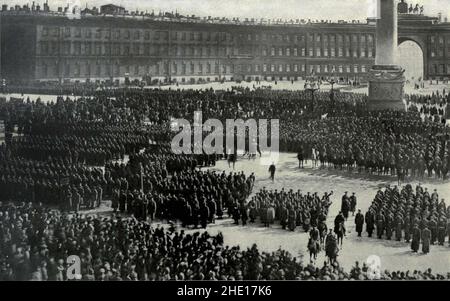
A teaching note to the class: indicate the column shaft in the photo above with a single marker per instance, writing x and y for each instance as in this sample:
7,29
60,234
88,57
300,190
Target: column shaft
387,33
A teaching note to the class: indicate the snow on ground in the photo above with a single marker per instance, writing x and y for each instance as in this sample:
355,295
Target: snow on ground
394,255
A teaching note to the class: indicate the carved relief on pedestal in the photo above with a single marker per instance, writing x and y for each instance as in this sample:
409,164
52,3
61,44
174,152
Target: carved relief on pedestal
386,75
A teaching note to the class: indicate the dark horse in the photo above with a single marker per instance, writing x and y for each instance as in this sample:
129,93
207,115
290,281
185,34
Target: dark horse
323,229
331,250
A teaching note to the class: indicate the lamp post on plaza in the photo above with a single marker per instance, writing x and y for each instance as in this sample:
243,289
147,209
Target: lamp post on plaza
312,85
332,82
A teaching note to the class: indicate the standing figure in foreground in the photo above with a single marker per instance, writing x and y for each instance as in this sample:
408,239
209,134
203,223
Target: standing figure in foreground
359,222
272,170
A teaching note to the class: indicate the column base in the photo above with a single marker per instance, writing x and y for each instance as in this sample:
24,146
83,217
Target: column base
386,88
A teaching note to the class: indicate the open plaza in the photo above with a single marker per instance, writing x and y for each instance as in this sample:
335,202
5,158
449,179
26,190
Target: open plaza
114,163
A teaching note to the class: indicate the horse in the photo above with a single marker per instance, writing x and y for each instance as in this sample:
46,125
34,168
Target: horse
313,248
340,232
331,250
322,232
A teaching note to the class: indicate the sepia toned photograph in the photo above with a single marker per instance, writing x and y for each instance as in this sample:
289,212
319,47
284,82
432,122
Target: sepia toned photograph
200,140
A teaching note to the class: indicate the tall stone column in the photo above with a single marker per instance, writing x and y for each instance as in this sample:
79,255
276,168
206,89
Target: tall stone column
387,34
386,79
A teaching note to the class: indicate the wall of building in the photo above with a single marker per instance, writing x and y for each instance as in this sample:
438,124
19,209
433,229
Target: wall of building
18,59
113,48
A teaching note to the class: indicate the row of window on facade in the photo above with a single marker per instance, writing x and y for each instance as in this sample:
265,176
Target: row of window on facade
356,68
439,52
129,34
175,68
104,69
97,48
138,34
438,40
439,69
331,51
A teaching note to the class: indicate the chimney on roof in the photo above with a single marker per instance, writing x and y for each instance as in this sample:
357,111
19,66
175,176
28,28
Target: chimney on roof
4,7
60,9
38,7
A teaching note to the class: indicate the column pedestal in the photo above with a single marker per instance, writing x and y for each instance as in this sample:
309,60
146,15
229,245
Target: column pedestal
386,88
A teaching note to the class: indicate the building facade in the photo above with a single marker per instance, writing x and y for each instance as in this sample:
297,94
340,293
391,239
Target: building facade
53,46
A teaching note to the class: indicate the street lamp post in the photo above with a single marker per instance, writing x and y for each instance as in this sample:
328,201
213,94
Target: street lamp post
312,86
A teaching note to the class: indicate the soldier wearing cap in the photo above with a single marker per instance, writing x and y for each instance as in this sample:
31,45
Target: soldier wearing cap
284,215
212,206
407,228
380,224
416,237
426,239
389,224
204,214
432,226
442,227
370,221
399,224
353,203
359,222
345,205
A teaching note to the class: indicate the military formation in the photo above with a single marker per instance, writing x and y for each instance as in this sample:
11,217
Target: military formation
291,209
432,107
411,148
411,215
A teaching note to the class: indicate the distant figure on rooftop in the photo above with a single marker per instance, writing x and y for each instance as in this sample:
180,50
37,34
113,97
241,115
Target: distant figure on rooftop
403,7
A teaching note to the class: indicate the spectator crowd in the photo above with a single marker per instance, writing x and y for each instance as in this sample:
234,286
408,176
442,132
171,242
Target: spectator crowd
36,242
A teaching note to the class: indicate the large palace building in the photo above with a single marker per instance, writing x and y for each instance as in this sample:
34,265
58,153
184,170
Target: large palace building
112,44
